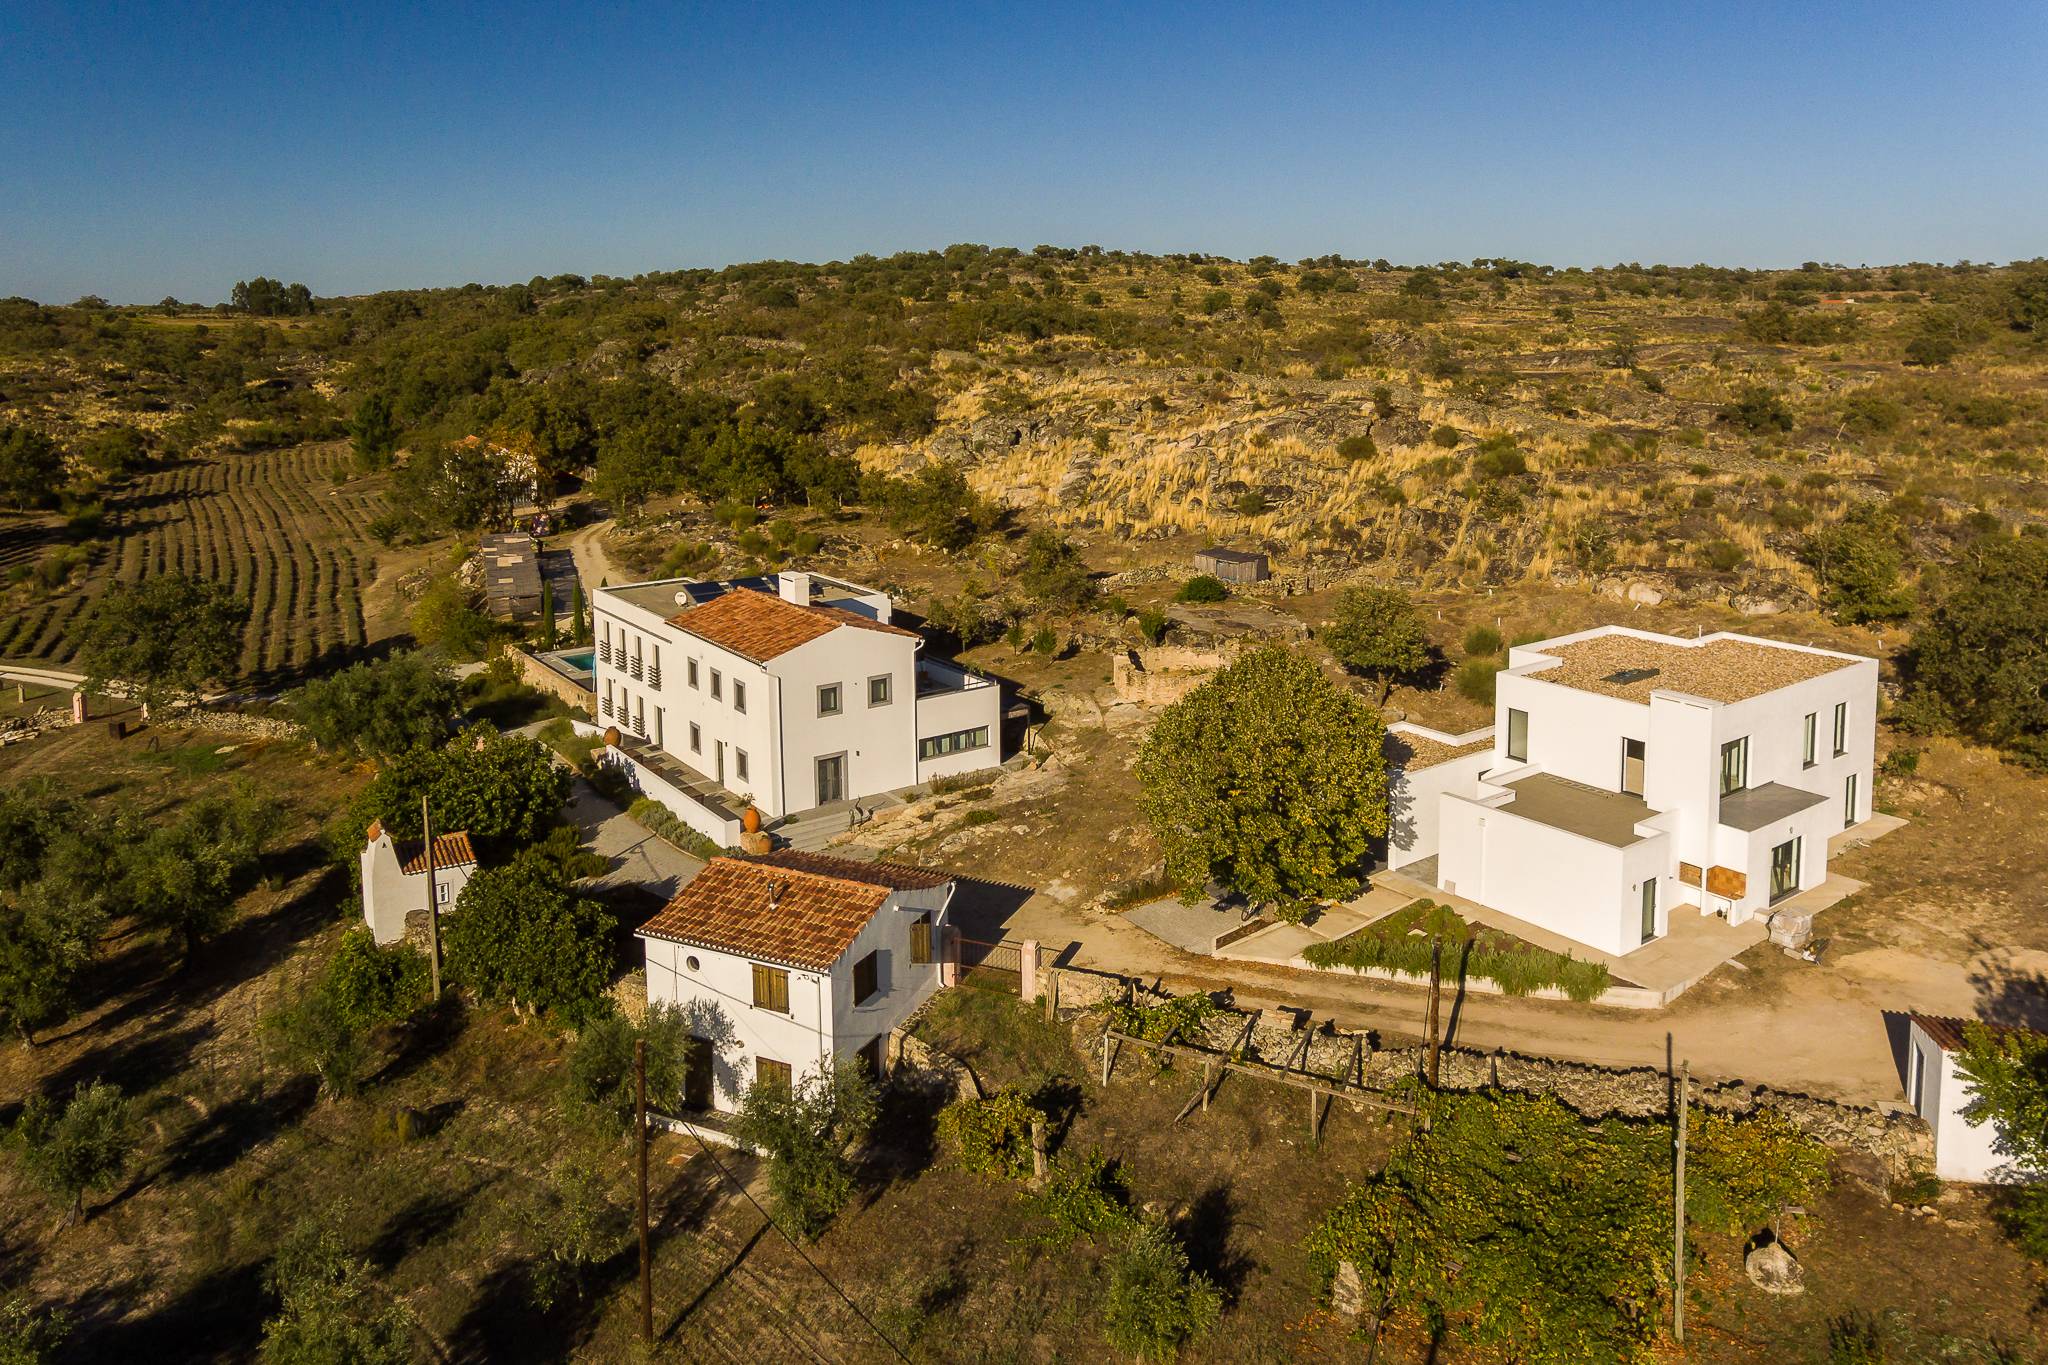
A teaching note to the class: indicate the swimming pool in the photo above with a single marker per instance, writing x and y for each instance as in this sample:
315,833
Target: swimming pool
584,659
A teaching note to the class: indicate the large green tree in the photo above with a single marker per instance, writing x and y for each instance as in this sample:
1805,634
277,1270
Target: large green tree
182,874
1378,633
520,934
504,790
1856,562
383,708
806,1129
1979,663
1267,779
83,1146
164,639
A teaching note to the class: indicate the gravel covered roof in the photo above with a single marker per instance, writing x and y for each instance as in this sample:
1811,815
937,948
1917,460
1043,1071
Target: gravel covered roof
1631,667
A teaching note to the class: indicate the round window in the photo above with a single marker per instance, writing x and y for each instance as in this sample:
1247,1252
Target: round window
691,963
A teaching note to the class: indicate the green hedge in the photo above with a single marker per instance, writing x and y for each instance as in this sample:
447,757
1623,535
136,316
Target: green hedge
1401,943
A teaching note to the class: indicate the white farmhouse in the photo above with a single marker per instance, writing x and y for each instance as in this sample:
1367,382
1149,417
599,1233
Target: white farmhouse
789,693
1938,1091
395,878
787,962
1630,776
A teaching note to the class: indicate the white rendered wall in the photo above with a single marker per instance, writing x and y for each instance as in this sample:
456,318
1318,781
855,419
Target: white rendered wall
901,985
389,895
1573,733
945,713
719,995
1962,1150
879,741
1580,888
1415,801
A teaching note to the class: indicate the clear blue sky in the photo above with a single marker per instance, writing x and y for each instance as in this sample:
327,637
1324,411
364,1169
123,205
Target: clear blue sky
153,148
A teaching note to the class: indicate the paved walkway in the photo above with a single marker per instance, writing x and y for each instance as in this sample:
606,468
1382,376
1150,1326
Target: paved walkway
638,855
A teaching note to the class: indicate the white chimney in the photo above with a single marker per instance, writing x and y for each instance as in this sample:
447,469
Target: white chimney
796,587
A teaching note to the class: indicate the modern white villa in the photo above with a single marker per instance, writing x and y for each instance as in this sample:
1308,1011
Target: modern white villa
787,962
395,878
1938,1091
787,692
1629,777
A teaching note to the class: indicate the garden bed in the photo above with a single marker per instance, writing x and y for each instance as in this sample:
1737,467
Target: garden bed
1401,942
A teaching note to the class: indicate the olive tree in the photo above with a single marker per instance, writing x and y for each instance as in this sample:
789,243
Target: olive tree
1379,634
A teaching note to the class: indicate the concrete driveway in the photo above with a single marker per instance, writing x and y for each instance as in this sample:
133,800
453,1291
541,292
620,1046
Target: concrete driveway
639,857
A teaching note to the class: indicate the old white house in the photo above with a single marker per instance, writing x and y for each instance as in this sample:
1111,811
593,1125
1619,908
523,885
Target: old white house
395,878
1629,777
788,962
789,692
1938,1091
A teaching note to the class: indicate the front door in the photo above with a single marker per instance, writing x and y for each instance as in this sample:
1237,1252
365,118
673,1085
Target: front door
1649,909
831,779
1784,869
697,1075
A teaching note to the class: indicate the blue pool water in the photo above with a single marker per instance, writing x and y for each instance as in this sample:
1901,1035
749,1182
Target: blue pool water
585,659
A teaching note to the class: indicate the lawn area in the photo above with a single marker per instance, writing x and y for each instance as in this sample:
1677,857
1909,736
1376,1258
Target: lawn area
1402,942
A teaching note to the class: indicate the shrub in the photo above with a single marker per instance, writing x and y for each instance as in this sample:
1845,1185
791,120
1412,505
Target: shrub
1202,588
1758,409
600,1071
1445,436
1082,1196
314,1034
805,1131
1856,1338
31,1334
371,985
1469,951
1152,625
1250,503
991,1136
1474,680
329,1306
1499,457
1751,1168
1358,447
1045,640
1155,1303
1163,1022
1482,641
83,1147
1723,556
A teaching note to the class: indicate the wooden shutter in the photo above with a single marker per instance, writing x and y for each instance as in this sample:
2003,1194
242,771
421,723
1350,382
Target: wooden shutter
921,941
771,1073
771,989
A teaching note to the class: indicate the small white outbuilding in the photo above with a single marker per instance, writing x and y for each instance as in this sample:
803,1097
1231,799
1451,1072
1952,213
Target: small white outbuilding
394,878
1938,1091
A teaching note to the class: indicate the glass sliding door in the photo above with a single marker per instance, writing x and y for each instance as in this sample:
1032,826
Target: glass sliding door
1649,910
1784,869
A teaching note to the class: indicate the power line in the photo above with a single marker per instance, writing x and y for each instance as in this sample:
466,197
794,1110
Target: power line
817,1269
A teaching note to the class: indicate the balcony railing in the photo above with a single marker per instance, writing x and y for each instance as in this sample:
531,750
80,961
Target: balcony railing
635,670
654,676
604,651
605,706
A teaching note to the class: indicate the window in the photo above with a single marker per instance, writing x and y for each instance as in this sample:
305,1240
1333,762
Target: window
771,1073
1649,910
1633,753
607,696
771,989
828,699
739,764
441,892
938,746
717,685
692,963
1841,728
921,941
696,739
878,690
691,670
1919,1079
739,695
866,979
1518,735
1734,765
1809,752
1849,802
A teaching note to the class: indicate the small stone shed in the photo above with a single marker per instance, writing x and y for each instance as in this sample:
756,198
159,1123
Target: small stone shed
1233,566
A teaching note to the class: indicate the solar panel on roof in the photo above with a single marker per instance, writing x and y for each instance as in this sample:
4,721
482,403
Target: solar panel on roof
1631,675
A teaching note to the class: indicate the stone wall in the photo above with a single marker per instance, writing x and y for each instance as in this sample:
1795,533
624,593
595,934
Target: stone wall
1899,1141
1163,674
537,675
231,723
20,729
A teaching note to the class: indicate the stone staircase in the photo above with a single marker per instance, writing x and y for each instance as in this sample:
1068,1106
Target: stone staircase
809,831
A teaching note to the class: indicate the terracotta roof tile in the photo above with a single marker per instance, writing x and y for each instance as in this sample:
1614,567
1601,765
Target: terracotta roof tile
895,876
760,626
812,921
450,850
1947,1030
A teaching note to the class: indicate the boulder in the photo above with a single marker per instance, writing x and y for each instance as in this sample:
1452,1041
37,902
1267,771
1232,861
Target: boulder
1347,1290
1751,605
1644,595
1772,1268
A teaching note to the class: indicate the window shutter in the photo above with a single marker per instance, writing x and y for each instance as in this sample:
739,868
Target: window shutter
921,941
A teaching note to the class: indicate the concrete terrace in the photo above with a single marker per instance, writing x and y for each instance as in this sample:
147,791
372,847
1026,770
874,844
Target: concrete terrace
1609,817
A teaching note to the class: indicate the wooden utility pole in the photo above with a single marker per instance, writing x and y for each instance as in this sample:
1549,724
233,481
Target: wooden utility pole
646,1264
433,901
1678,1214
1436,991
